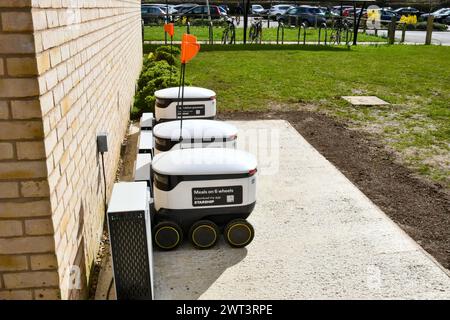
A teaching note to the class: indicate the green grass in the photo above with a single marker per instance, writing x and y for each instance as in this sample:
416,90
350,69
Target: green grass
414,79
156,33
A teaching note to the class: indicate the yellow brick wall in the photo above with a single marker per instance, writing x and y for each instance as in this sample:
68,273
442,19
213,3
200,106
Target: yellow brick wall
68,70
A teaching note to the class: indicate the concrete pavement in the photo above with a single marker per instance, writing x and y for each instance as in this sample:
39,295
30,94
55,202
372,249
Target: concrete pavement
317,237
418,37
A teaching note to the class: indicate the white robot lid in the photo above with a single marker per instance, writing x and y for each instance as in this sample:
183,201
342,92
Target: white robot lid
128,196
189,93
195,129
204,161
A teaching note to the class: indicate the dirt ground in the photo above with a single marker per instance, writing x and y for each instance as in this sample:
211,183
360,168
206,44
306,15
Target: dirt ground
419,207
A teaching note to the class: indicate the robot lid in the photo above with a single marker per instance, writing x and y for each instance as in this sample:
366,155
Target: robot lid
190,93
204,161
195,129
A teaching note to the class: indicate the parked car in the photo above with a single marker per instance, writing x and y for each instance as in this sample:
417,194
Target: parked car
181,8
386,15
152,14
171,8
408,11
446,21
303,14
257,9
279,9
202,12
337,9
225,7
439,15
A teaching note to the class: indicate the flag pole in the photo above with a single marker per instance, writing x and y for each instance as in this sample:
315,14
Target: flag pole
183,72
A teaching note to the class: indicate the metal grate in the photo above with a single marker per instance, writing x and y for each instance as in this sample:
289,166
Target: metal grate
130,255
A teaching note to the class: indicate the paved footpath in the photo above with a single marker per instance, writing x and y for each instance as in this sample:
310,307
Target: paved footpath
317,237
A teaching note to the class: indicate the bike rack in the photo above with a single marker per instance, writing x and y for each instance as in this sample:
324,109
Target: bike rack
323,26
347,30
280,25
211,34
303,25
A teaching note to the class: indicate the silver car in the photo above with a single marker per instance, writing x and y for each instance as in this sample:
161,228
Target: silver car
278,10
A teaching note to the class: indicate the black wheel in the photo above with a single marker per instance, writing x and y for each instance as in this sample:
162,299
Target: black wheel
239,233
204,234
167,235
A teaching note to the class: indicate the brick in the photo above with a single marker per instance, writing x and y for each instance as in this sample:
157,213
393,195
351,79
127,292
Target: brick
31,279
16,43
16,295
17,21
21,130
43,62
6,151
43,262
26,109
4,110
39,20
39,208
22,170
47,294
55,56
39,227
30,150
21,66
19,245
34,188
2,68
9,190
18,88
13,263
10,228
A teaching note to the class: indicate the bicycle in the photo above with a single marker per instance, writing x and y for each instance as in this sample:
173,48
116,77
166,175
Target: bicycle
255,34
229,34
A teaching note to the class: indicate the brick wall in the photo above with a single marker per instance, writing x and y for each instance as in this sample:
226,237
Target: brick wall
67,72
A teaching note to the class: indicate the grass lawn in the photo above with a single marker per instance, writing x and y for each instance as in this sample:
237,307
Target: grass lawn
414,79
155,33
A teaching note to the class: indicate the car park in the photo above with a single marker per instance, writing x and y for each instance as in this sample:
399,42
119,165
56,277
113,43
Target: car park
439,15
308,15
181,8
153,14
408,11
202,12
386,15
446,20
257,9
278,10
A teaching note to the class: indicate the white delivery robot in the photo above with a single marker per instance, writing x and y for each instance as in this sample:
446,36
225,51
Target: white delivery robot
196,134
198,103
200,193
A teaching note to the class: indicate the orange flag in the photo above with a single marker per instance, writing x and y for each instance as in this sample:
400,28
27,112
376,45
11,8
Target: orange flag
189,48
169,28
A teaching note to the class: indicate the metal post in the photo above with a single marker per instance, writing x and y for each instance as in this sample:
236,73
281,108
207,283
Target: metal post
429,29
167,21
391,30
355,35
246,10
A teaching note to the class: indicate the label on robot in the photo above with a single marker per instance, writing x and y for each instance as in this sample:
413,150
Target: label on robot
191,110
216,196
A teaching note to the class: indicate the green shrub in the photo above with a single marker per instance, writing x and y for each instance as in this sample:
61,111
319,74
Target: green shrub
423,26
160,70
175,50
